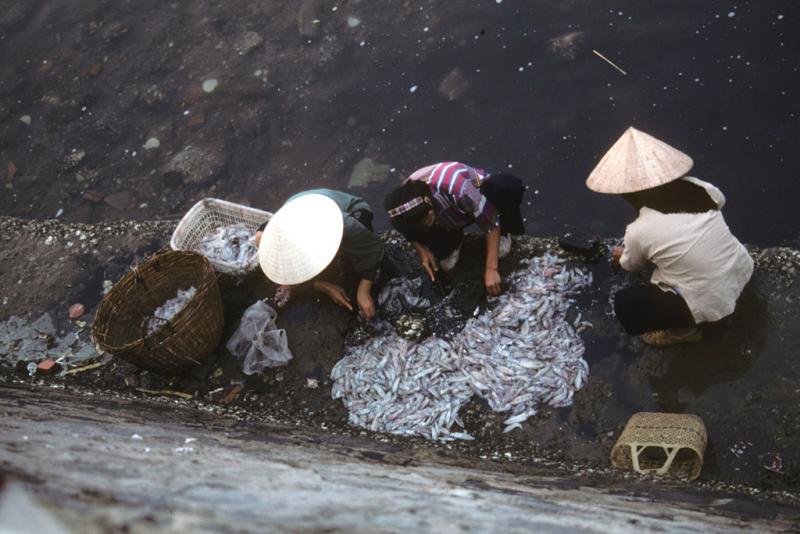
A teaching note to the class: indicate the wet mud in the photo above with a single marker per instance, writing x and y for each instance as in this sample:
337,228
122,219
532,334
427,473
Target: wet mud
105,109
741,379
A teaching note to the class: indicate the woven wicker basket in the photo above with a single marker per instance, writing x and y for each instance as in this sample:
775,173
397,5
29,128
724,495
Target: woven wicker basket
184,342
208,215
662,444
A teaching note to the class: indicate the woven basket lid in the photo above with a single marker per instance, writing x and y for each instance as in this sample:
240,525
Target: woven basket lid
301,239
637,161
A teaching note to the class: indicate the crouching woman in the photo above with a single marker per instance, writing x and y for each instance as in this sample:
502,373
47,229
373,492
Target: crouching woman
700,268
433,206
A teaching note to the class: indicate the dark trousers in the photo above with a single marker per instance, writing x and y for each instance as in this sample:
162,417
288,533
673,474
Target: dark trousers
504,192
645,308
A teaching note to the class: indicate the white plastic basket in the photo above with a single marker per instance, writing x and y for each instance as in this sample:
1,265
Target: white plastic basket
209,214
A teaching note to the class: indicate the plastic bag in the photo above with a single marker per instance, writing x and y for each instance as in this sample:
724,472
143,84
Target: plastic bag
258,343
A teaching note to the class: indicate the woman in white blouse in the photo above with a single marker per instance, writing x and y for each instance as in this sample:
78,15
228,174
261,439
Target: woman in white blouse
700,268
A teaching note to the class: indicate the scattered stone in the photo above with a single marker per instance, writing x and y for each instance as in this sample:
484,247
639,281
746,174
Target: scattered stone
209,85
197,163
308,18
95,69
568,45
93,196
454,85
192,95
367,171
107,285
152,143
232,394
312,383
47,367
73,159
153,95
49,240
247,42
76,310
121,201
25,119
196,119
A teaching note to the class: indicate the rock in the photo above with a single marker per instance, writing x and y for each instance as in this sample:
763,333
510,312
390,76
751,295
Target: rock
567,46
367,171
196,119
209,85
454,85
121,201
232,394
73,159
308,18
93,196
25,119
152,143
197,163
247,42
192,95
76,310
154,95
47,367
353,22
95,69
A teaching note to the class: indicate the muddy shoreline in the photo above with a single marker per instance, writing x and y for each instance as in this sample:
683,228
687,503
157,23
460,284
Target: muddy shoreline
741,379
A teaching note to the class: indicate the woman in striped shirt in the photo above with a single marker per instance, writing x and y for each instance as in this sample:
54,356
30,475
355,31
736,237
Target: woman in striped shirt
434,205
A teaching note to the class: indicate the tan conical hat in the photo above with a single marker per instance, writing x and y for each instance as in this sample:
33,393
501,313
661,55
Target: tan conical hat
637,161
301,239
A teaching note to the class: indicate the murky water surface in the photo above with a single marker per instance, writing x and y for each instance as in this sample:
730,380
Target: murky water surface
138,109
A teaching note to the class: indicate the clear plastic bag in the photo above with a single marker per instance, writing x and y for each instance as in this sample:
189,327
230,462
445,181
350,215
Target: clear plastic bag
258,343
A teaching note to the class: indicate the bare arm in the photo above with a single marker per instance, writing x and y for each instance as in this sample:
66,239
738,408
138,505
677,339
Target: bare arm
491,277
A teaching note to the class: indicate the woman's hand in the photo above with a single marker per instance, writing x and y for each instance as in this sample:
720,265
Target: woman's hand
427,260
616,254
364,300
491,279
335,292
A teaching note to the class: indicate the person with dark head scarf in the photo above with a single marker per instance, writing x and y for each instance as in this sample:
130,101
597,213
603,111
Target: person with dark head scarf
700,268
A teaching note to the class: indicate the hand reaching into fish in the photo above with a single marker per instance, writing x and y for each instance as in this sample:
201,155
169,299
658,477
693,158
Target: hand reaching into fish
616,254
335,292
427,260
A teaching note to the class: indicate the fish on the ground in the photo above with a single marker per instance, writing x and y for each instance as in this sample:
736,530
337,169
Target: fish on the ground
517,355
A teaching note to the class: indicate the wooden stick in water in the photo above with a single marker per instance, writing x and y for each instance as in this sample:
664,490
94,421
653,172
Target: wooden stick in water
604,58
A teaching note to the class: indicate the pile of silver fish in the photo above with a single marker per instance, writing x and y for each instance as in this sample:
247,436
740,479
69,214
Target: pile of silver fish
169,309
234,245
520,353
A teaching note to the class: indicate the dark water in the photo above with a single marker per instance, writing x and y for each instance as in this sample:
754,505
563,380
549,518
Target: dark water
715,79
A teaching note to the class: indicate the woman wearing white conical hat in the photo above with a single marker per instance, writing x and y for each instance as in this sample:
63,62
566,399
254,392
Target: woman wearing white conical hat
700,268
317,238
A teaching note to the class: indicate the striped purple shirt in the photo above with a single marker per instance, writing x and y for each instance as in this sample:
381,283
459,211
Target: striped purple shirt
455,188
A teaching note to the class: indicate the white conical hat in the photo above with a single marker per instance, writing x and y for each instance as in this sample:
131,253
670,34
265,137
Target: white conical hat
301,239
637,161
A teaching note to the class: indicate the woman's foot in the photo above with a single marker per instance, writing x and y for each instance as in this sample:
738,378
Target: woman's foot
672,336
282,296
